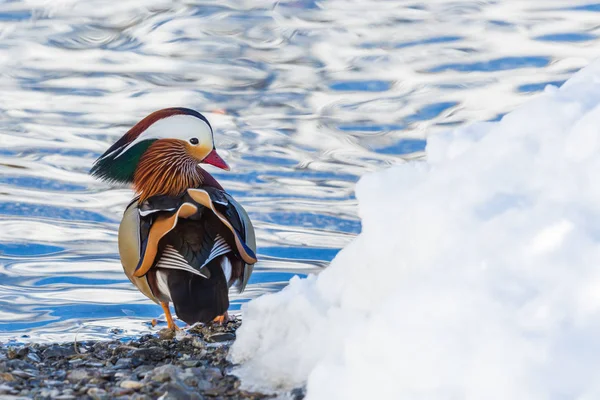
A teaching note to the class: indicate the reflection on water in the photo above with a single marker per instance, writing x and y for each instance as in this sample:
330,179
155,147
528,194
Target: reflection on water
305,96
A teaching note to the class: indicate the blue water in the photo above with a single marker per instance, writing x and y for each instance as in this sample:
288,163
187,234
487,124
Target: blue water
305,97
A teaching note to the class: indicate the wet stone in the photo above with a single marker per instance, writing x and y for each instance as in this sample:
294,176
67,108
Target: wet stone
7,377
205,386
197,343
135,385
174,391
123,363
150,354
298,393
22,352
118,392
6,389
76,363
220,337
65,397
96,393
33,357
142,370
166,334
18,364
52,393
78,375
121,375
163,365
212,373
60,374
164,373
138,396
22,374
93,364
191,363
58,351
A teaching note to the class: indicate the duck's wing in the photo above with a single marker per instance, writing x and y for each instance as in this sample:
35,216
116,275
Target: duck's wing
130,238
194,243
246,229
160,222
233,216
187,233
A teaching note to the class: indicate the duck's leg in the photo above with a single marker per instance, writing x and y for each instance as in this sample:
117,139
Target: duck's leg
170,322
221,319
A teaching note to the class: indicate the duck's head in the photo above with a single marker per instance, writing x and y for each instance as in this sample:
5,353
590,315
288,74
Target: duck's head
161,153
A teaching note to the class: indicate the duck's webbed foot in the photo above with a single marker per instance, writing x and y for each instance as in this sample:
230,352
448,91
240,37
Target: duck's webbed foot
221,319
170,323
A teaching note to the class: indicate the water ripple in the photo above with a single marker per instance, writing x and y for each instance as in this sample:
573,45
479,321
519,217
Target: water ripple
305,97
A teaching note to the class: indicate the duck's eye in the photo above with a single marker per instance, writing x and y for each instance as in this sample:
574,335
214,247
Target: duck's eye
194,140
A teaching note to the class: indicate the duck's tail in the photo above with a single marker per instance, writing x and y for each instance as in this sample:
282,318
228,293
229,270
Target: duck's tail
198,299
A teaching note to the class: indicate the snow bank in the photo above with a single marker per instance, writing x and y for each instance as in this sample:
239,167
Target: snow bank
476,275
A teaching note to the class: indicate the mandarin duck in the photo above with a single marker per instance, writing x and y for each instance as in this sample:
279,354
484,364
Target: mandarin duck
183,239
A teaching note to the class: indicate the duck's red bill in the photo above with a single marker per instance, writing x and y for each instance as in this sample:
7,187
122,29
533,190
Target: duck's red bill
215,160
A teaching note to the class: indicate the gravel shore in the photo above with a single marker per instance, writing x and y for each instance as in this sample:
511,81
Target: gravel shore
191,365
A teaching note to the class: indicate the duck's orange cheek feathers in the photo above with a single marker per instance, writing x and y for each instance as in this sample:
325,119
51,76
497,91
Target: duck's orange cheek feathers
198,151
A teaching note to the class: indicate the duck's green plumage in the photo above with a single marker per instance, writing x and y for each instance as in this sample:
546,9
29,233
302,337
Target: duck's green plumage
114,166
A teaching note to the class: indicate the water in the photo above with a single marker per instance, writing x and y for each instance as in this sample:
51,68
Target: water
305,96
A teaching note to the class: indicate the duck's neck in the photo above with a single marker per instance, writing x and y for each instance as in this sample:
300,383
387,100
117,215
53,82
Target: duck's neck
169,173
207,179
172,183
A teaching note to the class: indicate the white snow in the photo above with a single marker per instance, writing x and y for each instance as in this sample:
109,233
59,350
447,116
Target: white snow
476,275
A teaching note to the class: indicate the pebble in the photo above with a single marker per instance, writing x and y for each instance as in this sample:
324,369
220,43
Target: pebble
94,364
22,374
135,385
190,363
52,393
76,363
197,343
22,352
7,377
142,371
298,393
5,389
173,391
64,397
78,375
121,392
18,364
123,363
138,396
166,334
152,366
58,351
34,357
164,373
97,393
150,353
220,337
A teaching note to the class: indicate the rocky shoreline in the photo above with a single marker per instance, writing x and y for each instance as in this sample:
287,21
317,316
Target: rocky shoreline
190,365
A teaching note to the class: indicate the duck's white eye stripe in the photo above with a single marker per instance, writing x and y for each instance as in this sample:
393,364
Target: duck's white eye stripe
180,126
